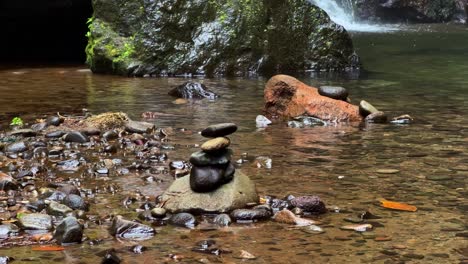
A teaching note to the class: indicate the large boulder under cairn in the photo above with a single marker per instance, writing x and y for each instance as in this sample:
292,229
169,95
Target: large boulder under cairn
233,195
287,97
166,37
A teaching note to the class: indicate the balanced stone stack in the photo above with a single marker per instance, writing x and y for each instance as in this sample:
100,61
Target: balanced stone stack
212,165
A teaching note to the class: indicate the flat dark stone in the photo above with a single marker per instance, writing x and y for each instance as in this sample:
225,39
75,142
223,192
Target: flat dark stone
219,130
24,132
55,134
76,137
16,147
250,214
334,92
201,158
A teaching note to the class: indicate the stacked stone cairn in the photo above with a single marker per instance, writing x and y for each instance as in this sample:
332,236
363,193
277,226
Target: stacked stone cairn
212,165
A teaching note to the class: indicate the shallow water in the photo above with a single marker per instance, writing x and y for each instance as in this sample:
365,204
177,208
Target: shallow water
421,72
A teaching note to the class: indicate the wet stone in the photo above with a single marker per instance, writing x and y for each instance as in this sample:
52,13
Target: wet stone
69,231
366,108
69,189
75,202
183,220
206,179
219,130
311,204
16,147
6,259
110,135
58,209
130,230
158,212
76,137
216,144
54,121
68,165
7,182
55,134
222,220
377,117
35,222
201,158
250,214
139,127
7,230
334,92
39,127
110,149
111,258
24,132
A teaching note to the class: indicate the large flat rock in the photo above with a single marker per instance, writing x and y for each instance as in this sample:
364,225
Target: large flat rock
233,195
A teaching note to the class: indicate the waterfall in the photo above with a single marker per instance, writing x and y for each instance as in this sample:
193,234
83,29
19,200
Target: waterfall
343,13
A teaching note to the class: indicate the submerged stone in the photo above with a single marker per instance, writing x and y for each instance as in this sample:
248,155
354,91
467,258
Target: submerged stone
311,204
250,214
222,220
130,230
183,220
377,117
193,90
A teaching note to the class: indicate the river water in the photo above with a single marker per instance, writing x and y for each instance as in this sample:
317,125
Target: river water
421,71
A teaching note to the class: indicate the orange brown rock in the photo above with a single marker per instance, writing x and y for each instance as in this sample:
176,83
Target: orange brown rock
285,96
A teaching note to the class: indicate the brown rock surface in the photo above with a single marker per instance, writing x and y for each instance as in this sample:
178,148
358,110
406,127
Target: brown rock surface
285,96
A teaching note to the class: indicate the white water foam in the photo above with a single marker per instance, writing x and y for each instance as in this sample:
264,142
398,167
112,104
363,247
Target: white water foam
344,15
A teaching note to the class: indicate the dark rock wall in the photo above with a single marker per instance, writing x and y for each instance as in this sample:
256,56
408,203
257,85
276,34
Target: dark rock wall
158,37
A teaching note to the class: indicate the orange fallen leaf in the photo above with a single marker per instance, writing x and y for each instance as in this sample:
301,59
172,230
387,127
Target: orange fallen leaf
48,248
42,237
398,206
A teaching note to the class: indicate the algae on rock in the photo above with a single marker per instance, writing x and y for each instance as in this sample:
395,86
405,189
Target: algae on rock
226,37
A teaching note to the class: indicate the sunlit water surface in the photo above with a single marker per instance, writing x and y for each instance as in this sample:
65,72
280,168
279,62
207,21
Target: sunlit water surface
422,72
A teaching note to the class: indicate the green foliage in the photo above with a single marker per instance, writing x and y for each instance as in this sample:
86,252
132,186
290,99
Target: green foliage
17,121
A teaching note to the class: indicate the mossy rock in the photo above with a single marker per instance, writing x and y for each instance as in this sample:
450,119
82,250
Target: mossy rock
233,38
